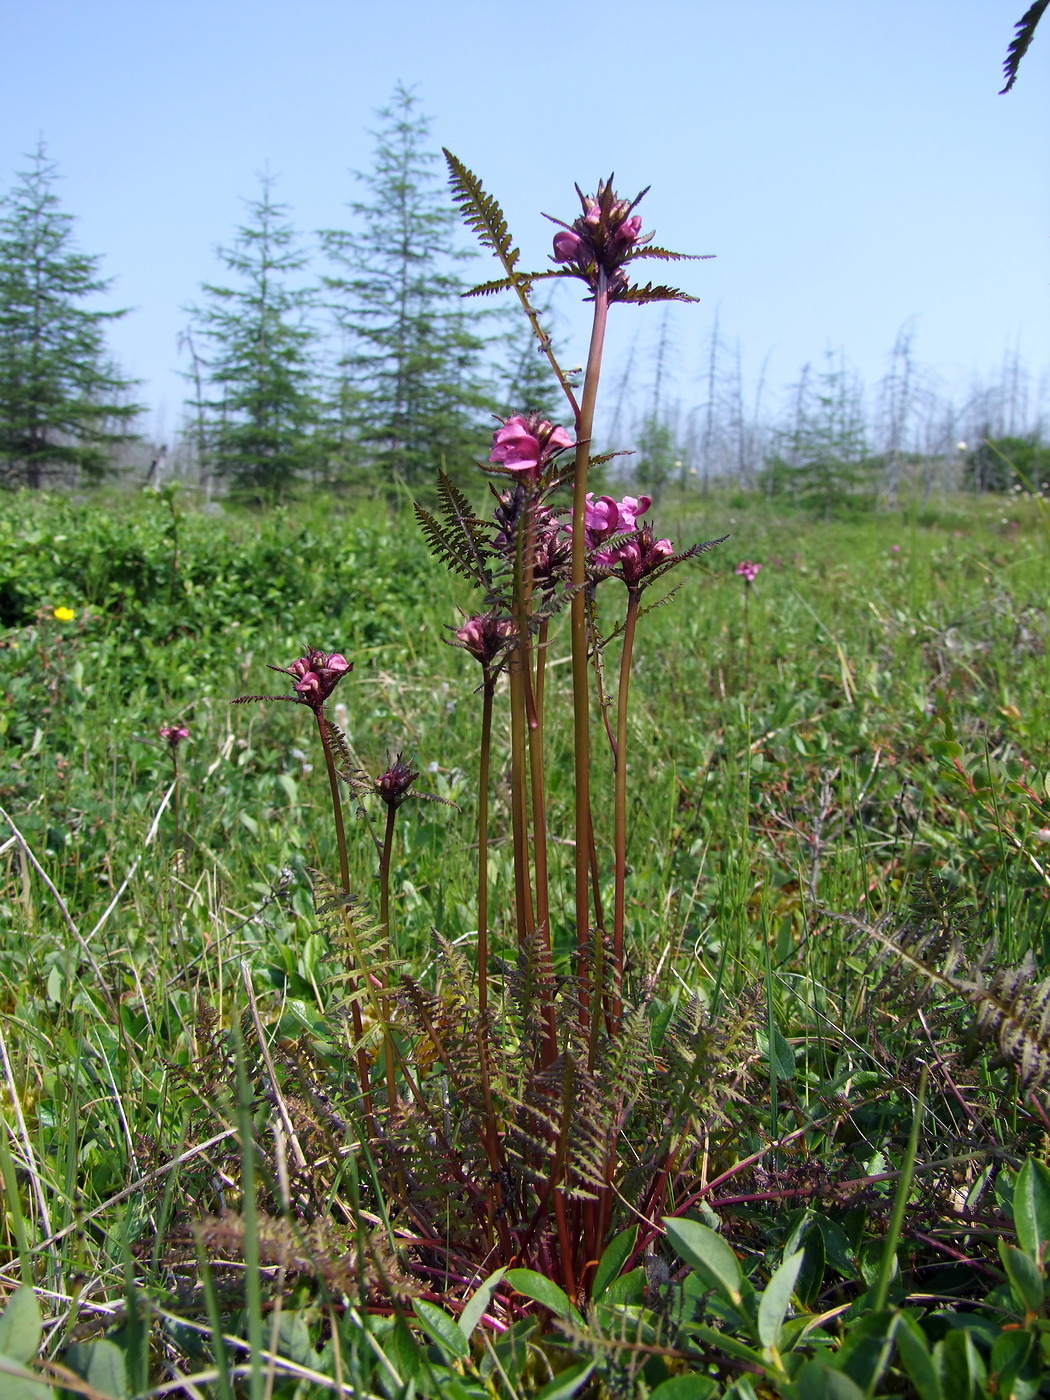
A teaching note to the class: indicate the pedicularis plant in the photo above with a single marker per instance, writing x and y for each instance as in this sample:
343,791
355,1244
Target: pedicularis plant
505,1106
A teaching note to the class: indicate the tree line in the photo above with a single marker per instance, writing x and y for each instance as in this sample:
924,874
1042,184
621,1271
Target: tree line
379,372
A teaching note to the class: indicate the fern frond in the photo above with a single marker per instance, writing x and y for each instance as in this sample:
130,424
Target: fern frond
647,250
639,294
249,699
340,744
1014,1009
1024,34
460,516
481,212
498,284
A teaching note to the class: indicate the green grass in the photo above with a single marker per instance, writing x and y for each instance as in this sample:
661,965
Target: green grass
774,787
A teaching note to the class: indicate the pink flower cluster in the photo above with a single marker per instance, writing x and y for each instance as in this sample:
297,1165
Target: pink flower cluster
605,519
316,675
748,571
604,237
485,636
174,734
393,785
526,444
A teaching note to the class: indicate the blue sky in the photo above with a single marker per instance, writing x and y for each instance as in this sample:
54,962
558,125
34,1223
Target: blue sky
849,162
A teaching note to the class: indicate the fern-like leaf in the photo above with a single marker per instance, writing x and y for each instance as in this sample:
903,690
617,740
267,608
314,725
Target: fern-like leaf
639,294
481,212
1024,33
647,250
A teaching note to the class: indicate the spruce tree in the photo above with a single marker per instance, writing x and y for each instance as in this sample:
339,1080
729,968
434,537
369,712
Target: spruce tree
63,404
257,355
410,393
822,458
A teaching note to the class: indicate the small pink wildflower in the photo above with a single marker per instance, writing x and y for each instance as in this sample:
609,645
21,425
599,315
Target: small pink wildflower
641,556
484,636
174,734
604,518
748,571
527,444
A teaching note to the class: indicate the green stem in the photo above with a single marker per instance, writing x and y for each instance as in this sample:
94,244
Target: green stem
516,668
620,804
537,787
483,843
384,919
900,1201
384,877
337,806
580,686
344,880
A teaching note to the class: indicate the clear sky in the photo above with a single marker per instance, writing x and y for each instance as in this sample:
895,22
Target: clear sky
849,161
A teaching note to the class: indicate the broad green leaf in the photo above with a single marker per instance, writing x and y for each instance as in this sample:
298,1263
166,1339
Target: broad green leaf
102,1365
617,1253
1010,1353
817,1381
724,1342
709,1255
440,1328
566,1383
1032,1208
1026,1280
810,1280
405,1352
959,1367
911,1343
512,1349
778,1052
478,1302
294,1340
776,1299
688,1387
20,1326
625,1288
544,1291
18,1384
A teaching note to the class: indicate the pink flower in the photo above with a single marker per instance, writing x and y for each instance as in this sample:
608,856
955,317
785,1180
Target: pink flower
598,243
485,636
567,246
895,549
604,518
748,571
316,675
638,558
627,234
174,734
527,444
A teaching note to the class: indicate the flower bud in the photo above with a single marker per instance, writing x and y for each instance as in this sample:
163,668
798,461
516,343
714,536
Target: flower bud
485,636
393,785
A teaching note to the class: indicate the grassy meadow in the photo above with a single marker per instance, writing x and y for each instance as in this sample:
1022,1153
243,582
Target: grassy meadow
861,744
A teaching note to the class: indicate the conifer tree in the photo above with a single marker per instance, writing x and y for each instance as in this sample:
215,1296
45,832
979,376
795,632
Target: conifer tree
410,387
63,404
257,353
823,457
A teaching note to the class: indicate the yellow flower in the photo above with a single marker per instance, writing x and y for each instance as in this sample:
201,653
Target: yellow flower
64,614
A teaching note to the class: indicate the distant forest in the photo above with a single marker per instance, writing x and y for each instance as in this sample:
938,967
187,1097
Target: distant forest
355,362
